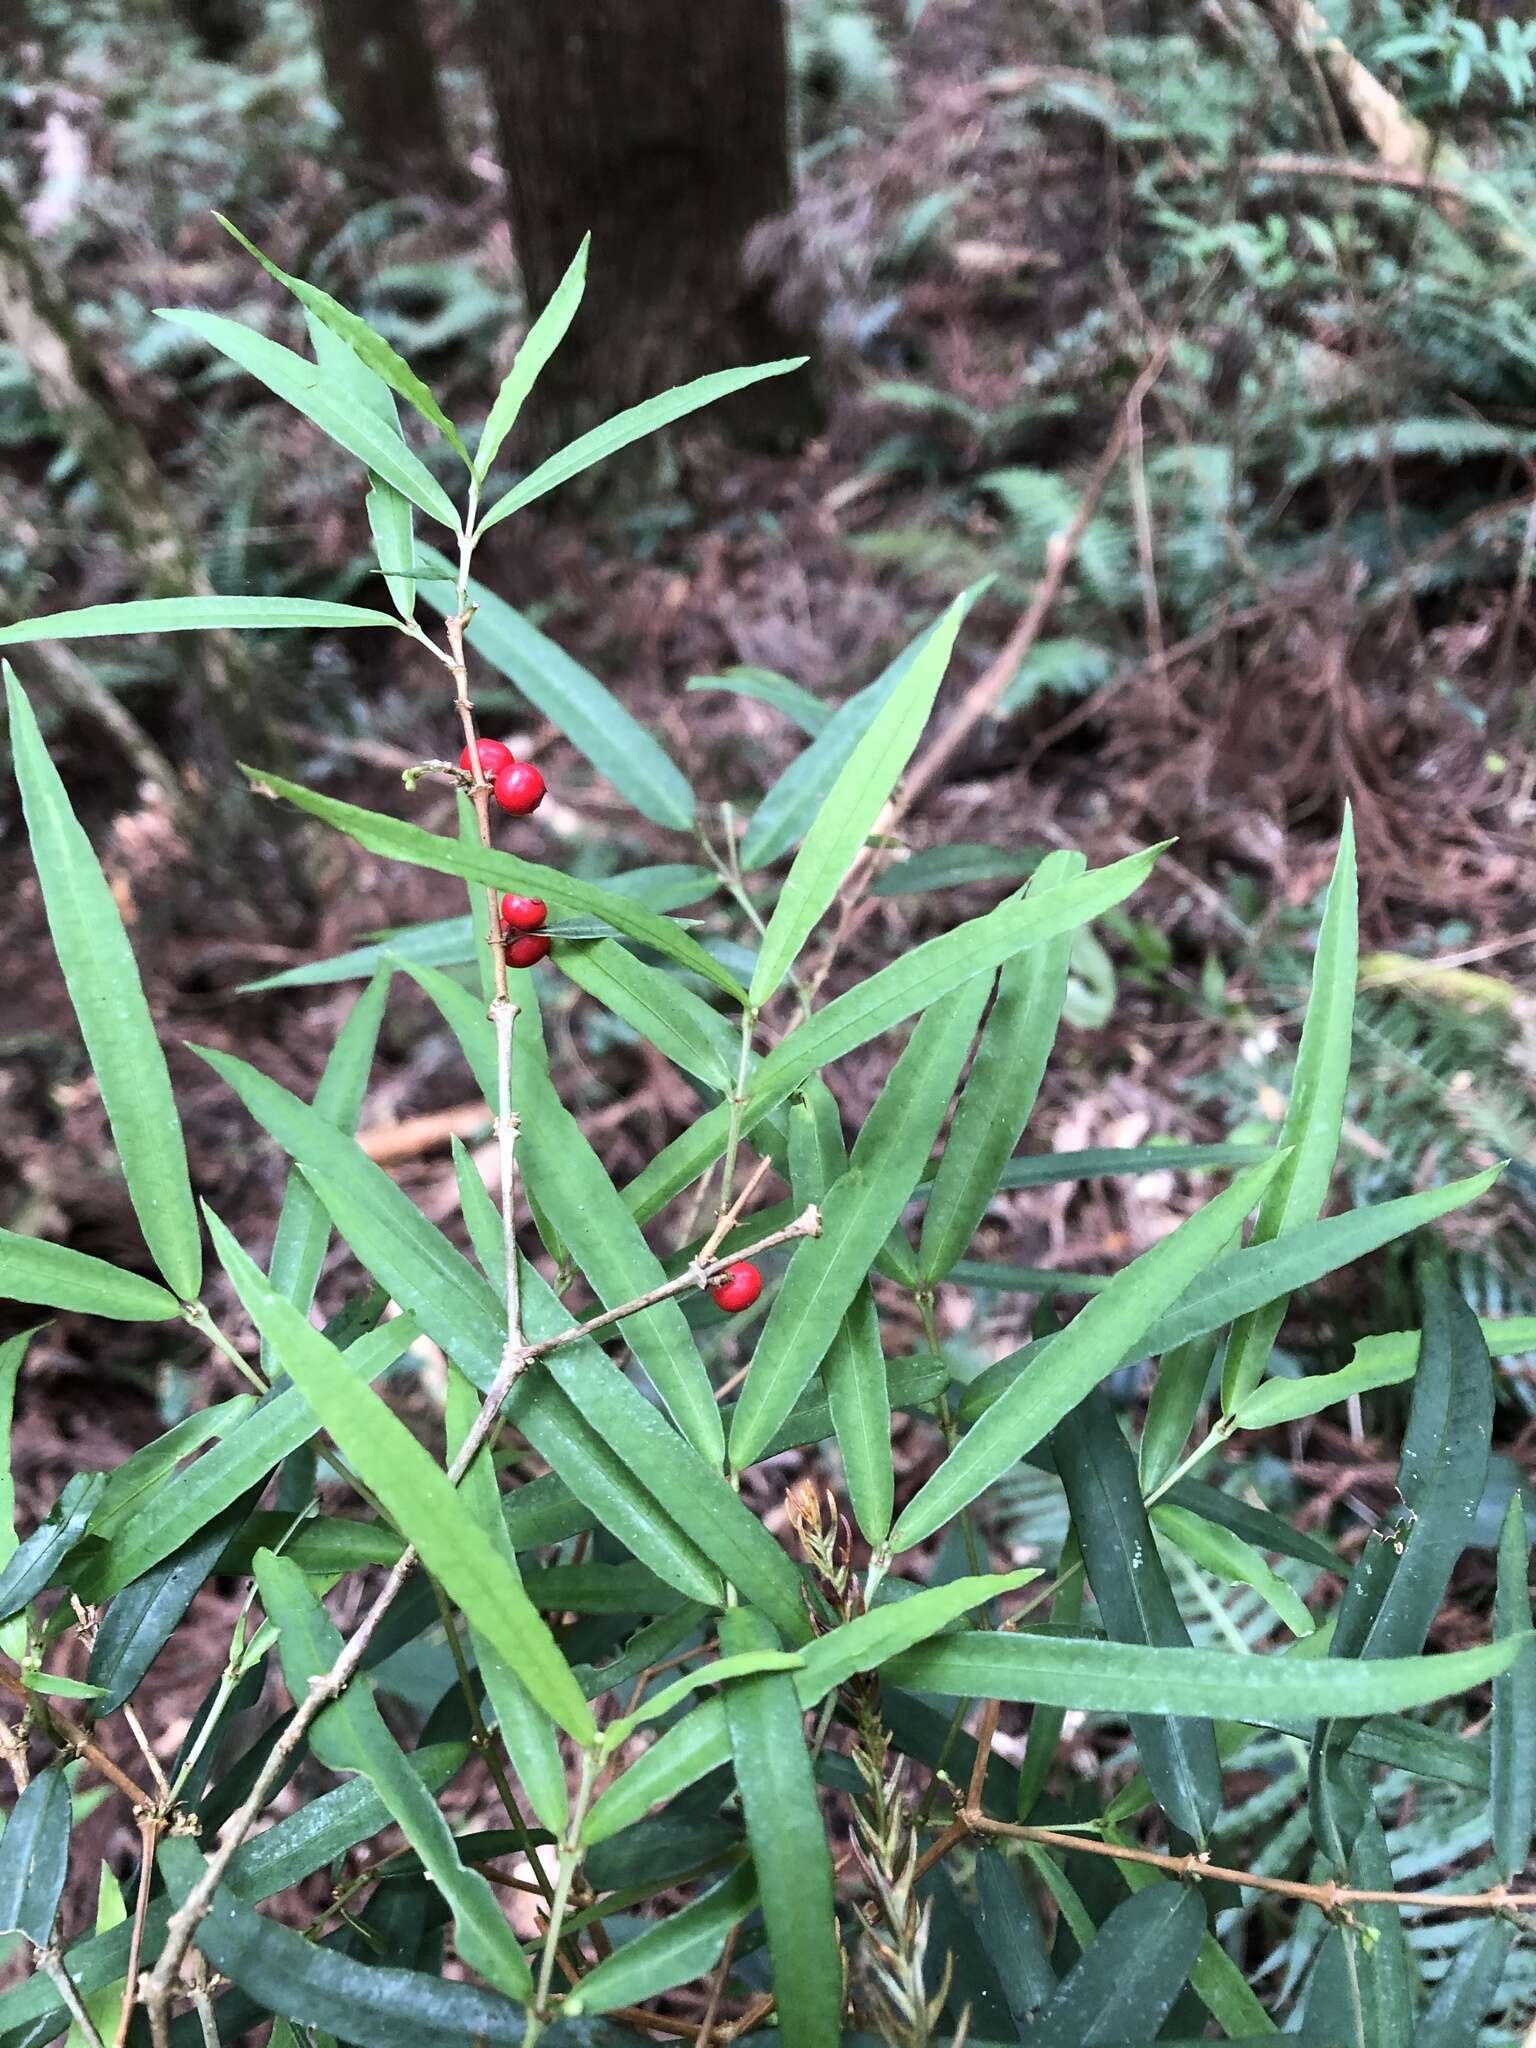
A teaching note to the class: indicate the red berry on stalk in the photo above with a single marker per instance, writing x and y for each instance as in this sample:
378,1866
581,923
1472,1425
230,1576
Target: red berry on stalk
738,1287
519,788
523,913
527,951
494,756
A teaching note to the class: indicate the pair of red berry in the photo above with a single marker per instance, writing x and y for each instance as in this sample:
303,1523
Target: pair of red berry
517,786
521,917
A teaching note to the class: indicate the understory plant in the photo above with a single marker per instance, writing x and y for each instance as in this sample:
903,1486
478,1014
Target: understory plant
569,1720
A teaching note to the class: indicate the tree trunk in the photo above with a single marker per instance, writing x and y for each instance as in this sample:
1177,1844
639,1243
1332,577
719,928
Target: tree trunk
381,75
663,128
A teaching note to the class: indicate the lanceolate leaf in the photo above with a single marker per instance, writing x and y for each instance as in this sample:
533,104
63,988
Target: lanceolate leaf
328,402
659,1007
629,426
34,1856
350,1735
396,840
1067,1365
1121,1678
1125,1984
34,1563
1315,1114
570,697
303,1228
859,1407
1233,1559
1242,1280
1001,1088
32,1269
371,349
853,805
789,1842
675,1950
538,345
1512,1799
914,982
1098,1470
103,981
138,1623
826,1272
788,810
193,615
415,1492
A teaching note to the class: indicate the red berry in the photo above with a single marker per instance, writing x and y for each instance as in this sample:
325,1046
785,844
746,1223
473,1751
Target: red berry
523,913
527,951
738,1287
519,788
494,756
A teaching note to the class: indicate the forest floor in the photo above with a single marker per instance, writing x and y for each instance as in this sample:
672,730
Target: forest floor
1243,744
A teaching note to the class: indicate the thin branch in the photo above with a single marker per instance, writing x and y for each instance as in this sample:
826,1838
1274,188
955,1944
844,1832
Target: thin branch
51,1963
149,1835
1330,1898
68,1734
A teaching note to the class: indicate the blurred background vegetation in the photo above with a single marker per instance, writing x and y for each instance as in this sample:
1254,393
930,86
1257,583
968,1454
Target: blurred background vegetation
1307,579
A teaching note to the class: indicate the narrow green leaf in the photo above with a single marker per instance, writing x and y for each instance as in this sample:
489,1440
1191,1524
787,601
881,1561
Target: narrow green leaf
571,1185
34,1562
914,982
445,942
1049,1169
790,808
1314,1117
297,1979
1124,1985
371,349
395,840
826,1272
525,1728
625,427
1000,1092
303,1228
154,1523
1469,1989
1258,1526
659,1007
350,1735
853,806
192,615
859,1407
139,1621
660,1704
327,402
763,686
103,982
1136,1602
570,697
415,1492
1230,1558
787,1837
1124,1678
394,542
1010,1931
13,1354
1183,1374
34,1857
538,345
675,1950
1513,1788
1067,1365
1506,1337
1243,1280
1278,1400
1381,1951
911,1384
52,1275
